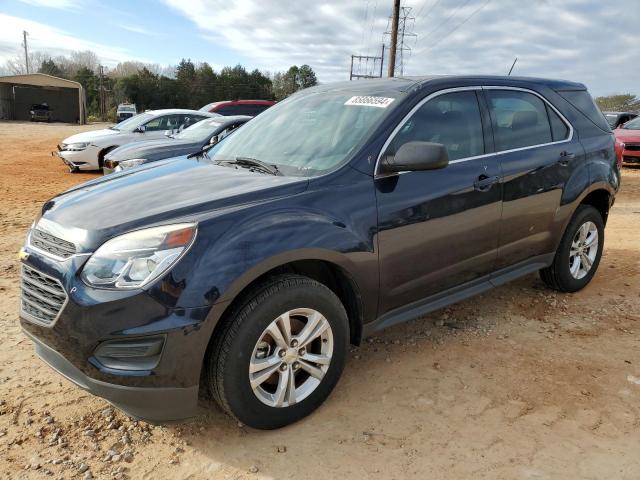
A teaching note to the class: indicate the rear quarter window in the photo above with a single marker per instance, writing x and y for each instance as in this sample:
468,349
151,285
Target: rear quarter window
583,102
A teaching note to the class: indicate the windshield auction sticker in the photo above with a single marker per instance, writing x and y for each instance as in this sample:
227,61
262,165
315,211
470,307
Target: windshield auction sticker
380,102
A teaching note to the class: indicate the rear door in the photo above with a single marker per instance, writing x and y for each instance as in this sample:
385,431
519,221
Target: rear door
439,228
537,152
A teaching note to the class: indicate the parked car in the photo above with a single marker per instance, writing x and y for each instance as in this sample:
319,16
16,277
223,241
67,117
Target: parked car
615,119
628,142
86,150
40,112
190,140
342,210
125,110
238,107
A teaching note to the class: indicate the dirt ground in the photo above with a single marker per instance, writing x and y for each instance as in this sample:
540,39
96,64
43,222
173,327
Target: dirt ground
518,383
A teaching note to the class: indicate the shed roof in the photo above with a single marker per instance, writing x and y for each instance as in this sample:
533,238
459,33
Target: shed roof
40,79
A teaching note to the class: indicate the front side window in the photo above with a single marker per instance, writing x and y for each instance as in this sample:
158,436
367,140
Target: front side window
519,119
309,133
165,122
452,119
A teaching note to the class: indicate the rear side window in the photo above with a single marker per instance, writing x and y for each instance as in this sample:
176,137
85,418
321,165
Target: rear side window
585,104
519,119
559,129
452,119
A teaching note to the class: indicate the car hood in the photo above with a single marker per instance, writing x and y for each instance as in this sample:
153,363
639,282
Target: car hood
627,135
161,192
91,136
161,148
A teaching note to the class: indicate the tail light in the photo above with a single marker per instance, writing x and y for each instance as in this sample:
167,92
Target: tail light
619,148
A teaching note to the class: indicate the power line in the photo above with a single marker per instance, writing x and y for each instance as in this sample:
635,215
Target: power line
458,26
433,5
460,5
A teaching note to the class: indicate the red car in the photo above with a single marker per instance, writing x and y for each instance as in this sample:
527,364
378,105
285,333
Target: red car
238,107
628,142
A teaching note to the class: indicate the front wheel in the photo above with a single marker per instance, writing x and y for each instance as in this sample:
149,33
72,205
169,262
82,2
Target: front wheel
280,353
578,255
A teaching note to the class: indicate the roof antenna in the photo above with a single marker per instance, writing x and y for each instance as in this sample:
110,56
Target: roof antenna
513,65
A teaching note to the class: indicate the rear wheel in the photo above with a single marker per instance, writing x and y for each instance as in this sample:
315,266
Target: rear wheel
578,255
280,353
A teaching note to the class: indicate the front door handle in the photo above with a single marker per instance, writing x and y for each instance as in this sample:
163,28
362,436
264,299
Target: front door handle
565,158
484,183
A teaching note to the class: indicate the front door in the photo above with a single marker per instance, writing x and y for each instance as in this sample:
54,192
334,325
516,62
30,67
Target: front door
439,228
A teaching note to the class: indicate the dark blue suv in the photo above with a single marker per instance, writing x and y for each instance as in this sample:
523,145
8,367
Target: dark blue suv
248,269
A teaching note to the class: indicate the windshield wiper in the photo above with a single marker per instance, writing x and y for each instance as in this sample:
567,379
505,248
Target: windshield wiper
254,163
202,151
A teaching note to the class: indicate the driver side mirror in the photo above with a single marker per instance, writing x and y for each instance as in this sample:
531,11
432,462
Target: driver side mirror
140,129
416,156
168,133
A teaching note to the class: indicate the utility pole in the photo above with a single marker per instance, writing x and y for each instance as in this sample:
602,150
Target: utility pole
26,50
394,37
103,103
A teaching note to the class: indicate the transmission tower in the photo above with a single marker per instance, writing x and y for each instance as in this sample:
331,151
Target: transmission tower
406,23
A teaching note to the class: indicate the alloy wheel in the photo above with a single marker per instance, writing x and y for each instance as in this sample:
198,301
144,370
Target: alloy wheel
584,249
291,357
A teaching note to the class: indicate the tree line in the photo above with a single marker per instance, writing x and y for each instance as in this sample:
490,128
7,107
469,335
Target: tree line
150,86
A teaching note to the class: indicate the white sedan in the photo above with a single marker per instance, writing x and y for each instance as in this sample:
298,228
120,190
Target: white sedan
86,151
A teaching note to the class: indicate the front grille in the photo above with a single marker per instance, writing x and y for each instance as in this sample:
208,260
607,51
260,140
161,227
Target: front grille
51,244
628,159
42,296
632,147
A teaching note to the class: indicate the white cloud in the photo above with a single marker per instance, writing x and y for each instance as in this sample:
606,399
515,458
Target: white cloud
43,38
583,40
137,29
60,4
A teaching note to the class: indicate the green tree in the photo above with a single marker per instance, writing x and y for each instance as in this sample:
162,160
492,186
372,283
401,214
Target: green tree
621,102
306,77
49,67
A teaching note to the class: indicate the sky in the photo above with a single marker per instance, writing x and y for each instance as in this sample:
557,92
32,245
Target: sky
590,41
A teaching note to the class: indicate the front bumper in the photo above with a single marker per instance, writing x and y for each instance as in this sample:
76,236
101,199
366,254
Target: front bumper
156,404
631,157
90,318
86,159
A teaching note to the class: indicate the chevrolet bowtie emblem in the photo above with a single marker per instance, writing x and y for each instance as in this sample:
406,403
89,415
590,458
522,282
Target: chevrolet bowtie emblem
23,254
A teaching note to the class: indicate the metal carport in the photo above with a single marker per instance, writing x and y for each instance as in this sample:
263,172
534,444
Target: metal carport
66,98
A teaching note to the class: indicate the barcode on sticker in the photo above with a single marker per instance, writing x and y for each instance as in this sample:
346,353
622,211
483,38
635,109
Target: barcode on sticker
381,102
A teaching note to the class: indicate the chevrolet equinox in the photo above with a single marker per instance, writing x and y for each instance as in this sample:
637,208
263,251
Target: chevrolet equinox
248,269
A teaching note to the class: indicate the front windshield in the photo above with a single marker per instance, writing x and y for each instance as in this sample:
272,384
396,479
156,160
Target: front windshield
126,109
131,123
612,118
306,134
199,132
633,124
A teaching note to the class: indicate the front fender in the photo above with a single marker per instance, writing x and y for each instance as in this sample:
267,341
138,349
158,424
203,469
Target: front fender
336,226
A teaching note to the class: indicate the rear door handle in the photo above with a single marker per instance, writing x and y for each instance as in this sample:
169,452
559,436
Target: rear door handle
565,158
484,183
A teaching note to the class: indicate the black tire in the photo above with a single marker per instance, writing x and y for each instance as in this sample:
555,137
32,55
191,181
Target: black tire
229,354
558,276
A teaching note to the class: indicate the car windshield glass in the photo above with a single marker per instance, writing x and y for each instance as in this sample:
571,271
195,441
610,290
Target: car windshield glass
207,107
306,134
632,124
198,132
611,118
132,123
127,109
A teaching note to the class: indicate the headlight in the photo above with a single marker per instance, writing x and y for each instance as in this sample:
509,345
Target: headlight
76,147
134,162
135,259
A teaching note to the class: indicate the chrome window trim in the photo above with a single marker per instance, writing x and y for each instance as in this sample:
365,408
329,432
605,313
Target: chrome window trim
26,315
485,155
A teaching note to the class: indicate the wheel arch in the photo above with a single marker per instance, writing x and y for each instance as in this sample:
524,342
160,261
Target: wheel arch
330,272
